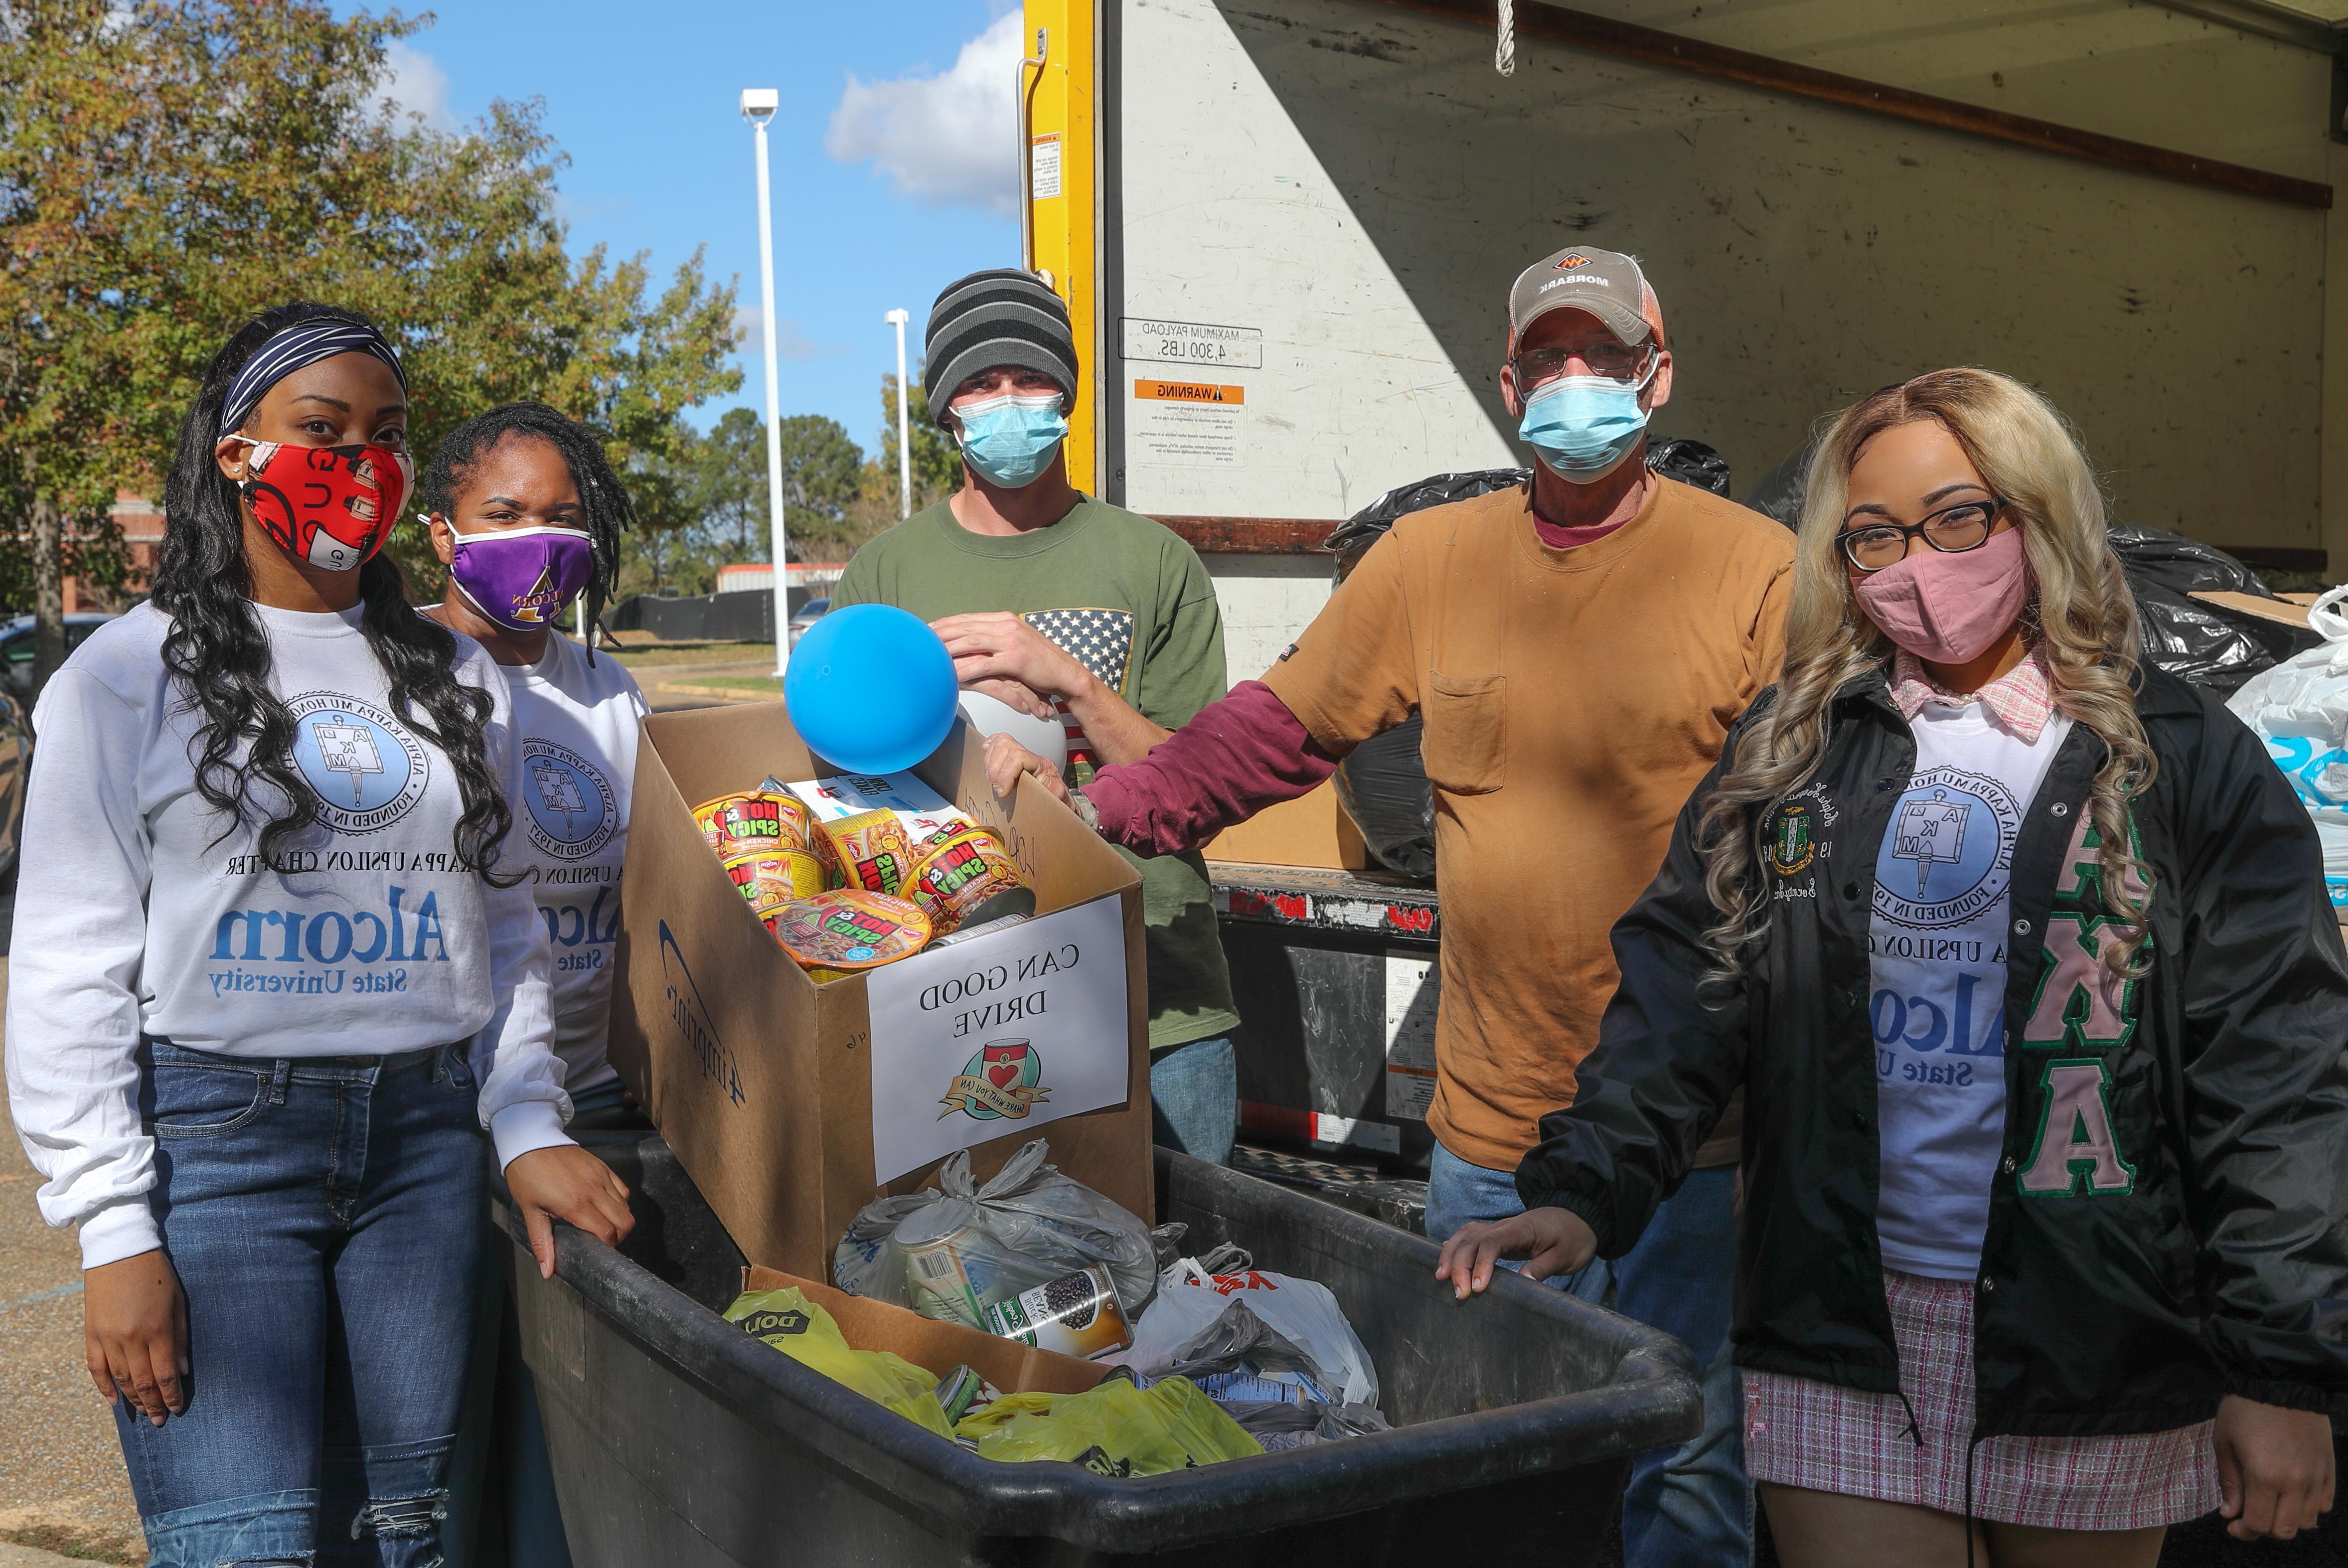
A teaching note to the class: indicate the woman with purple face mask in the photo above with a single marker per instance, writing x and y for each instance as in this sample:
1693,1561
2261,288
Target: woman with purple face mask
2021,953
526,513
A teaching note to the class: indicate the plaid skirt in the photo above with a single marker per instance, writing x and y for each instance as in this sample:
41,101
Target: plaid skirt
1824,1437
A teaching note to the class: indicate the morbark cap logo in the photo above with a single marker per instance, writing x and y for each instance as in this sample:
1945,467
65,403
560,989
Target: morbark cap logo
1572,260
1003,1079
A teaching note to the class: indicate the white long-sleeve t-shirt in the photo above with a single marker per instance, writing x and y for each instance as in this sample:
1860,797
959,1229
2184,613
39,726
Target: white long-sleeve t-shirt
142,909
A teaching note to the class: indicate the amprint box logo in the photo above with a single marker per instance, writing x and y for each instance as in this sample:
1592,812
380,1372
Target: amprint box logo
690,1018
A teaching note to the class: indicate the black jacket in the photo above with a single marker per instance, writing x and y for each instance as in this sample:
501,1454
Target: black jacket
2210,1257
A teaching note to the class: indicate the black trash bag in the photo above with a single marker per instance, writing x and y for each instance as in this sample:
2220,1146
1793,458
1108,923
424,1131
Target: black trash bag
1350,540
1690,462
2198,642
1783,489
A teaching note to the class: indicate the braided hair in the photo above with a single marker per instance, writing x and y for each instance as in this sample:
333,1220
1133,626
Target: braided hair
219,652
601,495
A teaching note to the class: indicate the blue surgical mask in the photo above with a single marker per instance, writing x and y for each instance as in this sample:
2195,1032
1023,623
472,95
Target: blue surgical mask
1583,425
1011,438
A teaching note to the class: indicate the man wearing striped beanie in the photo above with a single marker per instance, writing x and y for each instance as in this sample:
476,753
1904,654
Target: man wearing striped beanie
1069,607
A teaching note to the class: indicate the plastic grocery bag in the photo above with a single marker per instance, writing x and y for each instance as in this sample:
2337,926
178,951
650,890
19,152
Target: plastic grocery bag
2300,709
1116,1429
1190,1300
805,1333
970,1246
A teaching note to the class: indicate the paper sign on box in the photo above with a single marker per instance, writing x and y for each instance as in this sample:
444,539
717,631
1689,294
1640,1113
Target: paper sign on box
999,1034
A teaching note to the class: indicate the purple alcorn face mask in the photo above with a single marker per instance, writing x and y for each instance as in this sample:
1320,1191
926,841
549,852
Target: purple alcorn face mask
522,578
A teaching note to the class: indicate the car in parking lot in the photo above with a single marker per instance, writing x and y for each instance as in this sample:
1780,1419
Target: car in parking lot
16,649
807,615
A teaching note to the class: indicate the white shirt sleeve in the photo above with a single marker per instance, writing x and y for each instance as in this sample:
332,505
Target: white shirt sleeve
73,1020
522,1103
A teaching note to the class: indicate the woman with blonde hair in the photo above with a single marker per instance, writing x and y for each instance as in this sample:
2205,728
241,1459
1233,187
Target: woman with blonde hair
2021,953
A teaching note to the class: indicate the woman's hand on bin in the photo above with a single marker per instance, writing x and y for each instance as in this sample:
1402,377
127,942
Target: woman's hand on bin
2274,1468
1552,1240
1007,759
134,1325
566,1183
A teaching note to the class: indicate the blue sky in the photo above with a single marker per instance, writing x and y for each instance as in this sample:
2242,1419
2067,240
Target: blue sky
892,155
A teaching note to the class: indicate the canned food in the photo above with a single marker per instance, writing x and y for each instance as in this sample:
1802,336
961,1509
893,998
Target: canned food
1077,1314
873,850
950,1279
770,879
849,928
966,878
752,821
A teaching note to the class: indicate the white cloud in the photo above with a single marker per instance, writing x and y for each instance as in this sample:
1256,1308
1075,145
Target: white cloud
790,342
415,84
943,137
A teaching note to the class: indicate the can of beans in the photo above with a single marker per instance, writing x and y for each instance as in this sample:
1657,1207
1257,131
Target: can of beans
752,821
1077,1314
965,878
770,879
872,850
950,1278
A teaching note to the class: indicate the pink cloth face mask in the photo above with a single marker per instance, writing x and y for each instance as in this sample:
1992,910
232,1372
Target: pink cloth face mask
1947,609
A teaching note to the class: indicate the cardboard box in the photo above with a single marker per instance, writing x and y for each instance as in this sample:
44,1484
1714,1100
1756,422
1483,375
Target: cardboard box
1311,830
938,1347
764,1082
2289,612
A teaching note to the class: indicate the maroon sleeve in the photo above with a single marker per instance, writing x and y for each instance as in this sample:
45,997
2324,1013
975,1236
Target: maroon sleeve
1238,755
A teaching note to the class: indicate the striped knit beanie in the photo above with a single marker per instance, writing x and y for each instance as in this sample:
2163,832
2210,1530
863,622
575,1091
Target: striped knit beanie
1002,317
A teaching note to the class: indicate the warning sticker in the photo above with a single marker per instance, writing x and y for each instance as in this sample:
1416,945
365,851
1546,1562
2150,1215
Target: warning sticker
1186,425
1044,166
1195,343
1414,986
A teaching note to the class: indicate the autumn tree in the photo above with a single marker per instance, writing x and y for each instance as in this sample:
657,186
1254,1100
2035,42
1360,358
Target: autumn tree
169,167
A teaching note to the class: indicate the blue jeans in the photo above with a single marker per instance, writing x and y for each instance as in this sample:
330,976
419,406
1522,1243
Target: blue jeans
306,1205
1194,1098
1692,1504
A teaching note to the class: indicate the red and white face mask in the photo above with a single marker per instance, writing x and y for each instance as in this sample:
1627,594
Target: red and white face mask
332,506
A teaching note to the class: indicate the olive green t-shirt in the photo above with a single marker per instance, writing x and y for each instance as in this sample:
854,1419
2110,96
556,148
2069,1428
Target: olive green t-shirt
1132,602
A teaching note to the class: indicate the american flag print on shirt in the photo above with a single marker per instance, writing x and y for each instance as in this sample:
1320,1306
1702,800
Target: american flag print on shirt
1101,641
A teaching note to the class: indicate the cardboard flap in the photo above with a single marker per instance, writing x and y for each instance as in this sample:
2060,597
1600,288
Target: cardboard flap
938,1347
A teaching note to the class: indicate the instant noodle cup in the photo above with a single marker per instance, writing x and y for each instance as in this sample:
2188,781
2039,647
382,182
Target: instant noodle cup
773,878
966,877
872,850
848,929
753,820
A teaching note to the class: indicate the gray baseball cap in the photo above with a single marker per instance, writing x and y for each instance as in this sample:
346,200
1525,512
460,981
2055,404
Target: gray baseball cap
1606,284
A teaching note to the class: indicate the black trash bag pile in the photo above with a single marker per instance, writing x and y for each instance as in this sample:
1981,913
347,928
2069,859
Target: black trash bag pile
1383,784
2203,644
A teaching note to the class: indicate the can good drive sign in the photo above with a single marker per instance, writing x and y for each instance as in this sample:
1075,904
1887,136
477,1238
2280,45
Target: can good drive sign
999,1034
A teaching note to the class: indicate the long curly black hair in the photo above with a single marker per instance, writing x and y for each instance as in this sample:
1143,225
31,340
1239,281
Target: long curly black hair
601,494
219,652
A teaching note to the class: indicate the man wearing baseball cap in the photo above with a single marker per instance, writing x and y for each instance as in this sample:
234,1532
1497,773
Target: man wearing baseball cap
1579,647
1074,610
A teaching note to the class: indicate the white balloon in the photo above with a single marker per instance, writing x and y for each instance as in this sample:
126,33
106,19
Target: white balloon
1046,738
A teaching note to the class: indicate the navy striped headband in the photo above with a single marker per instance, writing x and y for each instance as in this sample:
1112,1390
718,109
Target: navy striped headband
298,348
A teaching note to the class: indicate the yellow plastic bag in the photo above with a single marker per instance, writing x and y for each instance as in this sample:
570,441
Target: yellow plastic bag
805,1333
1115,1429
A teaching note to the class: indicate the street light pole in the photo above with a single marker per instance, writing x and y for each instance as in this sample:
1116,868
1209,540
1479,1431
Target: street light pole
898,318
758,106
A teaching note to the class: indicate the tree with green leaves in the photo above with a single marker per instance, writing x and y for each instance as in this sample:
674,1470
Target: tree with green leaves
169,167
937,461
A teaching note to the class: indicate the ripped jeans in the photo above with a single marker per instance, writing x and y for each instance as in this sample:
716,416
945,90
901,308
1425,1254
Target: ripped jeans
320,1213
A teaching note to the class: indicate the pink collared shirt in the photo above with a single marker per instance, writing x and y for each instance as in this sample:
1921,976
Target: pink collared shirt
2021,699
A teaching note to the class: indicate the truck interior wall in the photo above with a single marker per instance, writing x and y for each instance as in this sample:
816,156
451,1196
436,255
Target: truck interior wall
1354,184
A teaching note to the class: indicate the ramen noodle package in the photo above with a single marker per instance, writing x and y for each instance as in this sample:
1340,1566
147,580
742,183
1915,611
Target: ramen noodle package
772,878
872,850
848,929
752,821
965,877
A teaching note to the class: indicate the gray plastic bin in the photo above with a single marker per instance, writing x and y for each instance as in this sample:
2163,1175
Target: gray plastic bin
680,1442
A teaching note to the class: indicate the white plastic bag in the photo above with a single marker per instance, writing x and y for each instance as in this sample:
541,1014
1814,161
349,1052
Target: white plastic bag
1190,1300
2300,709
1024,1228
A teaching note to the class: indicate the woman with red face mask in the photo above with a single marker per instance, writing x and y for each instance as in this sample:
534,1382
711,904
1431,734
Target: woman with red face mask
269,983
2021,953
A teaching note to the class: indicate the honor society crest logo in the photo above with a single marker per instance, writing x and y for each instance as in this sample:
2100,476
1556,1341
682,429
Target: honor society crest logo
568,803
1791,846
1949,854
365,769
1003,1079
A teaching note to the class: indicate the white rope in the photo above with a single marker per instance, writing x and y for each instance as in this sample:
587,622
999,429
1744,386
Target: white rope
1504,48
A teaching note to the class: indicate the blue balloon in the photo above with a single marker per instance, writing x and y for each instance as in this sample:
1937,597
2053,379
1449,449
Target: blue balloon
871,688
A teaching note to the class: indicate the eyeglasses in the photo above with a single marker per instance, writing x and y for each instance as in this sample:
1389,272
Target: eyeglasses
1953,531
1606,358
